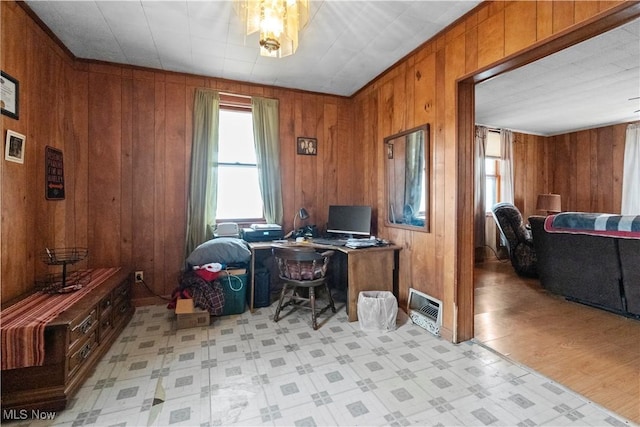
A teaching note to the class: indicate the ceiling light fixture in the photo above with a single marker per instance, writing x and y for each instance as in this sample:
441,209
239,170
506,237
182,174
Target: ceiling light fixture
278,23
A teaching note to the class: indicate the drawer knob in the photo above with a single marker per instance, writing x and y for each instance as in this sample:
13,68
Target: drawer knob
86,350
86,324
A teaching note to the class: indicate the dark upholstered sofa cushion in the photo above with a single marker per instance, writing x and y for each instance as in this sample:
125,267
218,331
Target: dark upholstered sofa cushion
583,267
630,265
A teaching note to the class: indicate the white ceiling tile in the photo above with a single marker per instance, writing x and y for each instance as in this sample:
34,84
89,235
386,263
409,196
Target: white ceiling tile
121,15
345,45
167,15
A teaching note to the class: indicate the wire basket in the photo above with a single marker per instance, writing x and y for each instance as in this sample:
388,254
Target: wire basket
63,256
66,281
62,284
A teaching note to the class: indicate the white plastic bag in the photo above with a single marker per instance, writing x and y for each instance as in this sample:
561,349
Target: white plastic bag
377,311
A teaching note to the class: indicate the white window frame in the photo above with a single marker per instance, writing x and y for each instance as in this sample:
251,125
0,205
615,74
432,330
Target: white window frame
232,103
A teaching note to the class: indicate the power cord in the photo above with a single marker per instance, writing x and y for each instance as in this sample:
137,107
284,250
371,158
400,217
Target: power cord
496,255
152,292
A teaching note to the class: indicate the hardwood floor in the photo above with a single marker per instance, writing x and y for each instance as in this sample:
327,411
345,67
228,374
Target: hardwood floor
591,351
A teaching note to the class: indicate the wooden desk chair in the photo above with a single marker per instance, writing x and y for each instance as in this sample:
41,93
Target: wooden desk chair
302,267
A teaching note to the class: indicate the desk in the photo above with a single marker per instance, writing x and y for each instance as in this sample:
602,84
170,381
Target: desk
364,269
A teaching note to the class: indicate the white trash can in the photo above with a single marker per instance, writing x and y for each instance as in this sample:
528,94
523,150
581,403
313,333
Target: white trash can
377,311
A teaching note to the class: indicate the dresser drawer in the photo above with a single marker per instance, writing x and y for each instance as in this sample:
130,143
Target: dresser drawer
106,318
81,354
121,292
121,311
105,304
82,326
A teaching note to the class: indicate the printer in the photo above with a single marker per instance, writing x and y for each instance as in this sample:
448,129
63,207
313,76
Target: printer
262,232
226,229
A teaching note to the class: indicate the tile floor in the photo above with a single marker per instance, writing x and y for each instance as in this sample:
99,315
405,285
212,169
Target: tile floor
247,370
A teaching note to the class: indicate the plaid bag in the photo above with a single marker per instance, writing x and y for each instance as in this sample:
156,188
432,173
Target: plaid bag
206,295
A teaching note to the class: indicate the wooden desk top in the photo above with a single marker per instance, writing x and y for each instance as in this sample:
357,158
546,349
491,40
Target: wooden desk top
306,244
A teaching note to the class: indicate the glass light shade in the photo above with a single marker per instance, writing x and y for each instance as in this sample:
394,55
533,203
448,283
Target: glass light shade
277,21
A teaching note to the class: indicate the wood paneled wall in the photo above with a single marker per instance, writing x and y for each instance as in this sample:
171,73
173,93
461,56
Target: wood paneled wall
30,223
587,169
139,154
125,134
425,87
584,167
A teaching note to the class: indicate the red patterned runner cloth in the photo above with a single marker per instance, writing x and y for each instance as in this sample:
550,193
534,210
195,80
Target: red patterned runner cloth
22,324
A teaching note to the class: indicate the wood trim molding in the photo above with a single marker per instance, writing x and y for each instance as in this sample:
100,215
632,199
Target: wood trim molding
463,296
612,18
46,29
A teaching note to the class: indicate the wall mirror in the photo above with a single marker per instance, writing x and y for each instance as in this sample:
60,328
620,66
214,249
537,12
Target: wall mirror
407,172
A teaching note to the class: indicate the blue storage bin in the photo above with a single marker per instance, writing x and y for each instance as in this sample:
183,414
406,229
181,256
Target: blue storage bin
234,287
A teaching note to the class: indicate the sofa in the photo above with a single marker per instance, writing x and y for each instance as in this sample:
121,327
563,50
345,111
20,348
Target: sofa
597,268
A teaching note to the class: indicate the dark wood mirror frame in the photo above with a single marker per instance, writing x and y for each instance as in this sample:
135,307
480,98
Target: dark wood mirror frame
407,157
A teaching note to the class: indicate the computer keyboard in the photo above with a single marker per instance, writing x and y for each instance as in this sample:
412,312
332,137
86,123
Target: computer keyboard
330,241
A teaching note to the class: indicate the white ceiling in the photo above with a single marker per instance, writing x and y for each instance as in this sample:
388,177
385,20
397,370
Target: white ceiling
585,86
346,45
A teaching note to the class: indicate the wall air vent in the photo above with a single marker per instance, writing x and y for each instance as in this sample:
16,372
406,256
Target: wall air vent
425,311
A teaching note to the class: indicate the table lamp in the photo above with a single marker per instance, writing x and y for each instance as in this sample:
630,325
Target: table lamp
303,214
549,202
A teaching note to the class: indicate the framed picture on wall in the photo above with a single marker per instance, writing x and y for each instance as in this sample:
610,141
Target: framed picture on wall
307,146
54,173
9,95
14,147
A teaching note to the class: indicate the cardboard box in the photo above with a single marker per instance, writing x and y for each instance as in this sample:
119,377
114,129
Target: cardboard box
188,316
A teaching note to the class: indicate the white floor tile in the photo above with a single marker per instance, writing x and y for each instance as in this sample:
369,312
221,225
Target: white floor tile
245,369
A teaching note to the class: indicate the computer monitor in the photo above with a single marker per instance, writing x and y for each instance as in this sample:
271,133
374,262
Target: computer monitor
349,220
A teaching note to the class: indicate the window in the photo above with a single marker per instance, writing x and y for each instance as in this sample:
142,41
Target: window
238,189
492,169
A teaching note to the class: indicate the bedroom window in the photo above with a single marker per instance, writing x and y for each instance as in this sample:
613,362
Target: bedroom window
239,196
492,169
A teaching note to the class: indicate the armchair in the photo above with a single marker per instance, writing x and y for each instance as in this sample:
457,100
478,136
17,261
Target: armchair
519,241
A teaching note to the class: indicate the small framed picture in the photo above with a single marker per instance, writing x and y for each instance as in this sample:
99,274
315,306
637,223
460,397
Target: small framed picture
14,147
307,146
54,173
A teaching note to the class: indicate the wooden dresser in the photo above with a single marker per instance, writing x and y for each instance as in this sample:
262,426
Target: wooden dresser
75,340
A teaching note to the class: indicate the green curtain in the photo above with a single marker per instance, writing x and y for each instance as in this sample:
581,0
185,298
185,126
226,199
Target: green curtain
480,185
266,131
414,169
203,191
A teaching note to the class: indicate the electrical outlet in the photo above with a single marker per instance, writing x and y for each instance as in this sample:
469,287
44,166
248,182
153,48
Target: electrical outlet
139,276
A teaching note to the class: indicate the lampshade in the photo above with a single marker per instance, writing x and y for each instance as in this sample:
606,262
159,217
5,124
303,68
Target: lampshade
549,202
278,23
